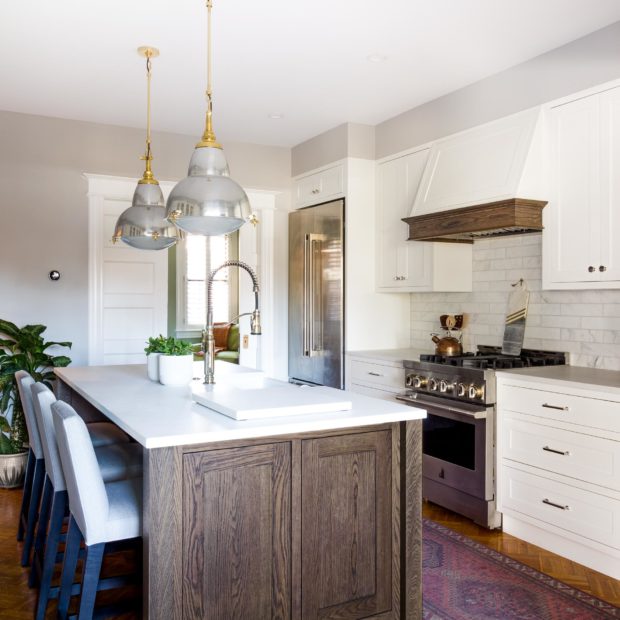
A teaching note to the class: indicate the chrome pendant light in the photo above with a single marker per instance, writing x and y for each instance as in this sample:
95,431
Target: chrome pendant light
208,202
144,225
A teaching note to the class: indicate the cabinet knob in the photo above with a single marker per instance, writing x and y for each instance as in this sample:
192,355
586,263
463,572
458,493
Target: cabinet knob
591,269
602,268
315,191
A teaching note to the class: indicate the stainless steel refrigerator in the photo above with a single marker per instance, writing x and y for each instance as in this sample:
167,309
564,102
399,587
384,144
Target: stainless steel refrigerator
316,295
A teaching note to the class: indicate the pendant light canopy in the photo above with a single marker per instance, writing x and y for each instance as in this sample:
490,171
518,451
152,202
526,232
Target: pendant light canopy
144,225
208,202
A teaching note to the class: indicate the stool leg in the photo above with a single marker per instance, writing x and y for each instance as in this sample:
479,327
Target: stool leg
33,508
59,505
39,541
69,562
23,511
90,580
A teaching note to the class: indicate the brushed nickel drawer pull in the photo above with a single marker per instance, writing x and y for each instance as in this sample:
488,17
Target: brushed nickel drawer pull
375,374
562,452
547,406
550,503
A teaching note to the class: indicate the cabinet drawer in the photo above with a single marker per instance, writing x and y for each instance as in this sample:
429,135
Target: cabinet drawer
561,506
591,412
375,392
577,455
317,187
386,377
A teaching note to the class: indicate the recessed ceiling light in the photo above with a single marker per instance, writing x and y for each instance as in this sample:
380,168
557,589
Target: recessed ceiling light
276,115
376,58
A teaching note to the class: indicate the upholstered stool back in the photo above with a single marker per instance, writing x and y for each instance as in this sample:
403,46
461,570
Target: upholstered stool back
88,500
24,381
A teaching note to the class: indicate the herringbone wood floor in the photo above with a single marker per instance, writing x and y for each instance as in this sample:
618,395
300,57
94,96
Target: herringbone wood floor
17,601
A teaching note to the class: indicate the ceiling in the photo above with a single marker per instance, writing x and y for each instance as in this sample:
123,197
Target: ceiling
303,59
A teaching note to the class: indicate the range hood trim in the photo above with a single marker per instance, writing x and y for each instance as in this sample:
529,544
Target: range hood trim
514,216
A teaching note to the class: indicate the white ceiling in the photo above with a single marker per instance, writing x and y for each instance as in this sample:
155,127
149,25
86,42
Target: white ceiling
305,59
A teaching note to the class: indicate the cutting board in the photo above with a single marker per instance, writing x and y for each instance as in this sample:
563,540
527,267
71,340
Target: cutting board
274,401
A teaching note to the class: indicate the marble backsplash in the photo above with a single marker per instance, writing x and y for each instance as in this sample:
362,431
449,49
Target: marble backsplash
585,323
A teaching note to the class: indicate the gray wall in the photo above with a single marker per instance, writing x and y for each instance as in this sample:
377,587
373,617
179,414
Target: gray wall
44,207
583,63
346,140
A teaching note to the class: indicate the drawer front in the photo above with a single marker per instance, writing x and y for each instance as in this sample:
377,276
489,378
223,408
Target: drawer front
375,392
377,375
317,187
571,454
590,412
560,506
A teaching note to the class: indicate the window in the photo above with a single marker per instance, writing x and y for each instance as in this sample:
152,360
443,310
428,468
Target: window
197,256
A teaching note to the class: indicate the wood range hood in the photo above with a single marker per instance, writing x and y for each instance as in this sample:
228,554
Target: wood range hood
487,181
513,216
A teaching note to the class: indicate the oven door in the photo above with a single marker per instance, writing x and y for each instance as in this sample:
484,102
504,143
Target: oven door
457,445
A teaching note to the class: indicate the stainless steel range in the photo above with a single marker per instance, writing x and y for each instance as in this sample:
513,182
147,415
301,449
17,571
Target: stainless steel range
459,432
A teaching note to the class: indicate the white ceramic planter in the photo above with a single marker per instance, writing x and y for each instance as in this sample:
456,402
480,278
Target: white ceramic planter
12,469
152,366
176,369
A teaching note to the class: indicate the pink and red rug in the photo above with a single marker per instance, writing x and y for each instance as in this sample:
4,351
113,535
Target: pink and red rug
464,580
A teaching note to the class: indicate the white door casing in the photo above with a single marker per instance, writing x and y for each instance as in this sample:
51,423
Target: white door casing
127,288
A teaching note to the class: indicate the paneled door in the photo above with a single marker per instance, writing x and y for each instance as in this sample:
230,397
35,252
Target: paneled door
128,288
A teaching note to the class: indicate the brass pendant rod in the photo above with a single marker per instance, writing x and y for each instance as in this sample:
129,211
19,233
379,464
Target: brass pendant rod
208,137
148,177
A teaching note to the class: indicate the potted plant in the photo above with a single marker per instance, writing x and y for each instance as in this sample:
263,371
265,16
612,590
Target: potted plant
20,349
176,362
154,348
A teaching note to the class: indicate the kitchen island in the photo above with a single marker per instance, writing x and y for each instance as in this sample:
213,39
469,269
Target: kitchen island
307,516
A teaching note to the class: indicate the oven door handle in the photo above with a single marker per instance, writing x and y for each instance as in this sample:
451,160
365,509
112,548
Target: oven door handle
444,406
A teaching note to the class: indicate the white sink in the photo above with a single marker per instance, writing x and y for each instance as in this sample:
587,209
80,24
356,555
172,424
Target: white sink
251,397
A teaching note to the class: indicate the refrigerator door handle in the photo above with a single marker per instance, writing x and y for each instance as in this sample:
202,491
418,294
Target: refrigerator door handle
310,347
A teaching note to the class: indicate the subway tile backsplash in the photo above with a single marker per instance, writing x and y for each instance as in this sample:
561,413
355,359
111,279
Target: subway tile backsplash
584,323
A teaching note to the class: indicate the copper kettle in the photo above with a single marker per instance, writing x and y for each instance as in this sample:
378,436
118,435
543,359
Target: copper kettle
448,345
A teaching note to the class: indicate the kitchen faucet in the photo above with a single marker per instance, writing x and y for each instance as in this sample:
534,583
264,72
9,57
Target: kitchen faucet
208,339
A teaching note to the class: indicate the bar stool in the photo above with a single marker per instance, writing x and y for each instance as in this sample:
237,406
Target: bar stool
116,462
101,433
100,512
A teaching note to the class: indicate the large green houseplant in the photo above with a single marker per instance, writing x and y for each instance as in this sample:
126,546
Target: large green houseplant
22,349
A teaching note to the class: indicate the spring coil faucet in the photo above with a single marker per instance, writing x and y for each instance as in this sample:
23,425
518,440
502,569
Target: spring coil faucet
208,339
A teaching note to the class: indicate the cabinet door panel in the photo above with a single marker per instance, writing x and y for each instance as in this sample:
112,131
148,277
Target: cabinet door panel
346,537
237,532
610,186
572,216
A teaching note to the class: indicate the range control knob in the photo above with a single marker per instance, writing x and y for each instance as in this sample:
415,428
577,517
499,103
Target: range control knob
433,384
410,380
420,382
445,387
462,389
475,391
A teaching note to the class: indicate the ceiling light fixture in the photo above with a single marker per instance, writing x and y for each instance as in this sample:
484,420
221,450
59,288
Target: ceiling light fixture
208,202
144,225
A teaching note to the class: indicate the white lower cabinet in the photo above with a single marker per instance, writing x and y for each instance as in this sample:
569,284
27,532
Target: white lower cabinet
379,378
558,463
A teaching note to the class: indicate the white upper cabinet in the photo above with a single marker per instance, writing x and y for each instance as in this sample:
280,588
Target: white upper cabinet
318,187
410,266
495,161
582,220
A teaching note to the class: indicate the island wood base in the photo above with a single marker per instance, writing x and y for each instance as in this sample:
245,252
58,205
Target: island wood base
317,525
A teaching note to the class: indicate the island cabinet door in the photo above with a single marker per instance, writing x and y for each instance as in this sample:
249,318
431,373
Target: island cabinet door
237,532
347,526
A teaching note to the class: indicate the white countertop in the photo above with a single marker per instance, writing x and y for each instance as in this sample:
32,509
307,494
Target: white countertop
158,416
577,377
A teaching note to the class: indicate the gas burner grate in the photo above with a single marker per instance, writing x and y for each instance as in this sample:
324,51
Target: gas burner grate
488,357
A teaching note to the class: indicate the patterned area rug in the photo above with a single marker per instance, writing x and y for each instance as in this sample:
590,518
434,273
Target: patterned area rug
464,580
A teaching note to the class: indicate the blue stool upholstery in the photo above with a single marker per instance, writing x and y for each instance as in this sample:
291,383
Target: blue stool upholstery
116,462
101,512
